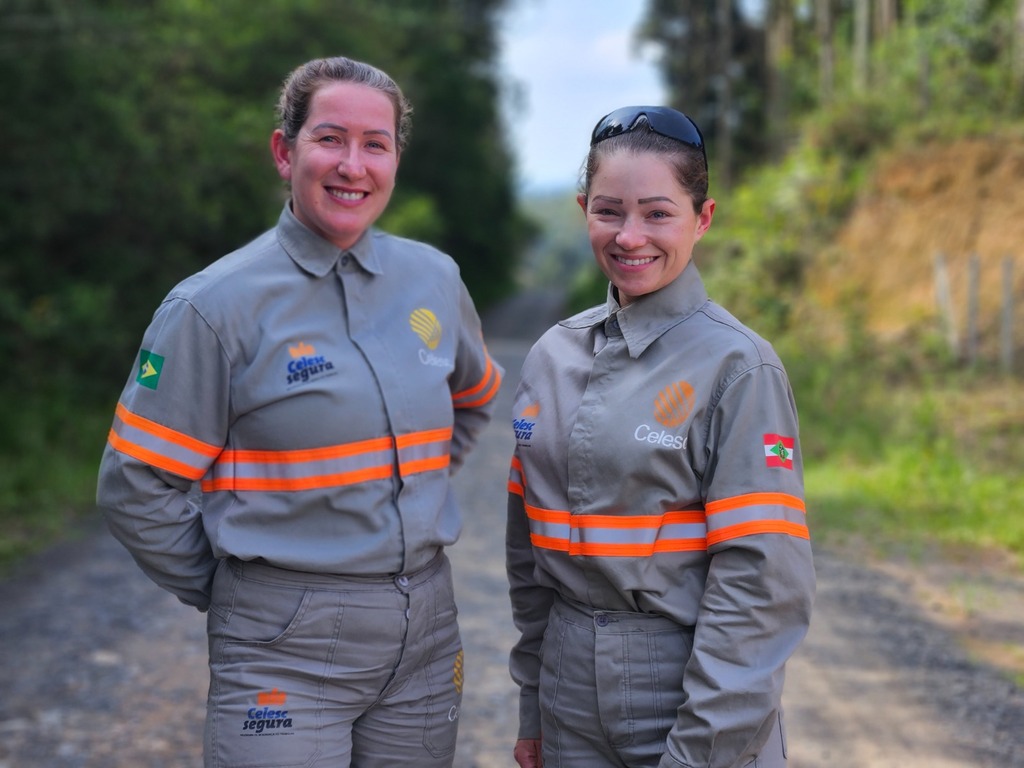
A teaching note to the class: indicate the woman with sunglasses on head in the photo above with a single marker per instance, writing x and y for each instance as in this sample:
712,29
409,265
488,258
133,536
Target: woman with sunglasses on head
320,385
658,554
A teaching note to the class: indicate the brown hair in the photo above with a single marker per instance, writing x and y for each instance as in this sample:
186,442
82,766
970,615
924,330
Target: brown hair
687,162
301,85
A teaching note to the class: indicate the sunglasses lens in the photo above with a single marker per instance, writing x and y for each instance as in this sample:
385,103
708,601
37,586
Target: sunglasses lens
667,122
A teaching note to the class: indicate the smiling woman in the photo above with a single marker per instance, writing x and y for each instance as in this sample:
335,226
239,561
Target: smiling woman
343,163
319,386
672,563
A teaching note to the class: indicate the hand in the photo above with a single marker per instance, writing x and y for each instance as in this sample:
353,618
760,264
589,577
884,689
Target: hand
527,753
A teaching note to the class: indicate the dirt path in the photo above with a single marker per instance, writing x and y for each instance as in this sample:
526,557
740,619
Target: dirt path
100,669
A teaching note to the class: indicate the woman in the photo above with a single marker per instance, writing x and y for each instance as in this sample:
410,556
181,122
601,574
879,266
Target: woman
658,556
320,385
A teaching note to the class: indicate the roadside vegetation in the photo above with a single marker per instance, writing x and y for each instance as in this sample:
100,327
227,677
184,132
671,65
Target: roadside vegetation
906,447
145,126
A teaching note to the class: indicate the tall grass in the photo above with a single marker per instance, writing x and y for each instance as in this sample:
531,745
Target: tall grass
910,461
49,463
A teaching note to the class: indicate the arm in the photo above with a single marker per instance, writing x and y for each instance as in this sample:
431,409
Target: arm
474,382
169,427
756,606
531,604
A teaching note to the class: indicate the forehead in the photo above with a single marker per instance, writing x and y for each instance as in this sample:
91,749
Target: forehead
634,170
345,102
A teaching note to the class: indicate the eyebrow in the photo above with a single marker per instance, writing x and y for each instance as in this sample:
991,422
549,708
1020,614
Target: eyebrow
343,129
641,201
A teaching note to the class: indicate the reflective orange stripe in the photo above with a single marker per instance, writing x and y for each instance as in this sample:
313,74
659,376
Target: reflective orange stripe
749,499
166,433
296,484
515,478
160,446
615,535
294,470
750,514
675,531
331,466
306,454
491,381
764,526
152,458
420,438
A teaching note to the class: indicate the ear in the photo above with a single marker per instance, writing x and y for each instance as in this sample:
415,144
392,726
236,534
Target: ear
282,154
582,200
707,212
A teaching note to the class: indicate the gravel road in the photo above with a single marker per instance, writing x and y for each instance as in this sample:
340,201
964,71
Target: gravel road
101,669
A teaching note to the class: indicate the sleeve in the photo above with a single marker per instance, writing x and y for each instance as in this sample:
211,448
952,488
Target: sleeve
169,426
531,604
474,383
757,601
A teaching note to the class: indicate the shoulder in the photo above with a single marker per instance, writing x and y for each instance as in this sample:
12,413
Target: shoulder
735,339
565,335
234,274
412,254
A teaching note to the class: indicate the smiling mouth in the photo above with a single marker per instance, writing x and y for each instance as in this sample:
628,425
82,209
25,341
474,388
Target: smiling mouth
634,262
346,195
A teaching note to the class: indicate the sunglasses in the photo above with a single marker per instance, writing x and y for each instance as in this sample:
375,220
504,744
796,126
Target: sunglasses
662,120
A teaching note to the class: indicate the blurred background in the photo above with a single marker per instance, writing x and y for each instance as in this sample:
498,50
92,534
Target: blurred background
867,157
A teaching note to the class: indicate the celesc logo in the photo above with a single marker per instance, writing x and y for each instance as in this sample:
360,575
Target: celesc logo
525,424
672,407
425,324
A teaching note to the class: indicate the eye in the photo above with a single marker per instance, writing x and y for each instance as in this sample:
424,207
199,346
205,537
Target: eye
658,215
329,140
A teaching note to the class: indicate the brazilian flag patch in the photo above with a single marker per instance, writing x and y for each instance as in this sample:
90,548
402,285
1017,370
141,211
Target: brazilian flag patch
150,366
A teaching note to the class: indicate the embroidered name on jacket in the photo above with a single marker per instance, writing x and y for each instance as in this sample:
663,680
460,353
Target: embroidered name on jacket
306,365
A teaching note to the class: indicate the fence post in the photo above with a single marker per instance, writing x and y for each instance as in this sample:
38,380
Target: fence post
944,299
973,289
1007,334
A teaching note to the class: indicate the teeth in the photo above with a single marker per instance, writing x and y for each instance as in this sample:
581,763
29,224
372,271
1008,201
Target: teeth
348,195
635,262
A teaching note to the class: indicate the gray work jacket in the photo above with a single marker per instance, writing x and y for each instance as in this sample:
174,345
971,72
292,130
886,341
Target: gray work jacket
657,469
319,398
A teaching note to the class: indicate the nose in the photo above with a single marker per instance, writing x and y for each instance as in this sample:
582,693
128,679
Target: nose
350,164
631,235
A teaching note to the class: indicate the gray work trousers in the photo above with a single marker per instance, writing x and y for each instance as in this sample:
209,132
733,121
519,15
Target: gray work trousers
320,670
610,685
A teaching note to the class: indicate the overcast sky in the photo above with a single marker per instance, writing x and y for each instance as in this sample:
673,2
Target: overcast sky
572,62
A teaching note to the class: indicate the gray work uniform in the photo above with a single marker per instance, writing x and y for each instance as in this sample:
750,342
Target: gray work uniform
659,559
320,400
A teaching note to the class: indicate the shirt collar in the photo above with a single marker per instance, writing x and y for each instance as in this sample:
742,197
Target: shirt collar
650,316
316,255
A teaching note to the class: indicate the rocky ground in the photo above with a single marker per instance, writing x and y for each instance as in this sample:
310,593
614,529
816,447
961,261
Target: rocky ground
100,669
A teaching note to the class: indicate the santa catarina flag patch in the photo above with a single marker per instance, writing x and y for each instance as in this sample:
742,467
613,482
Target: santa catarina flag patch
779,451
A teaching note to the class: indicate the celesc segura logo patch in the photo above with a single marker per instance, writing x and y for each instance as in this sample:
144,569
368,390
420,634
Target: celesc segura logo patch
525,424
672,407
425,324
305,364
269,717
